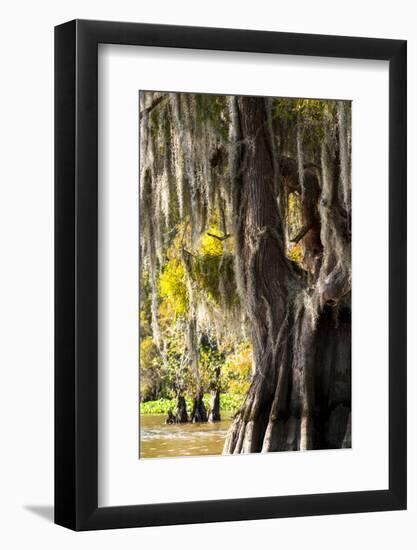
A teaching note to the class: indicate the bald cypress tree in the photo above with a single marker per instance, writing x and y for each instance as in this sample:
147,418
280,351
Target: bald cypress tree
254,164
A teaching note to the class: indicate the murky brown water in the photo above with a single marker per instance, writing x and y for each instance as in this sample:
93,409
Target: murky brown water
158,439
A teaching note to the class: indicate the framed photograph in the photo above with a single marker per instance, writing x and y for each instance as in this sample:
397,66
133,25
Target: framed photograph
230,254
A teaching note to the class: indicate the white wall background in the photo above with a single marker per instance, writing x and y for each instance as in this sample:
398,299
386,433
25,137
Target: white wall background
26,273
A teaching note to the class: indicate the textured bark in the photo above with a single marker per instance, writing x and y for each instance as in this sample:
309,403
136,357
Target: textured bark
299,397
265,272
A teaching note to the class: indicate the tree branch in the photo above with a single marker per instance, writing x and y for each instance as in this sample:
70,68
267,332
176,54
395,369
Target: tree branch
302,233
219,238
189,253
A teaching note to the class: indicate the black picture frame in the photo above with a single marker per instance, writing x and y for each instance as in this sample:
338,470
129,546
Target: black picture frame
76,272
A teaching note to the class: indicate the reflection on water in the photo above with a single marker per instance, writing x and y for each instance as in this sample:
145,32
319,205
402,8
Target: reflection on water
158,439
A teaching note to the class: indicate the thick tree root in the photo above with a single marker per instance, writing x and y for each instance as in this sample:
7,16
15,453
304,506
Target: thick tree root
311,405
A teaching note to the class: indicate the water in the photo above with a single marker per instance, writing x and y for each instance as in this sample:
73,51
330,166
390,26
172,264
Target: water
158,439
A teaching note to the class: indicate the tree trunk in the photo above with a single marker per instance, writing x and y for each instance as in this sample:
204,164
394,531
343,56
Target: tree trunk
182,415
299,397
214,409
214,405
199,413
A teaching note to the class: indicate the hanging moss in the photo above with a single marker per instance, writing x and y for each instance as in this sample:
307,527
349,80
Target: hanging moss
203,249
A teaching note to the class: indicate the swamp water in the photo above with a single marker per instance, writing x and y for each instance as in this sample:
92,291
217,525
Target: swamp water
158,439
